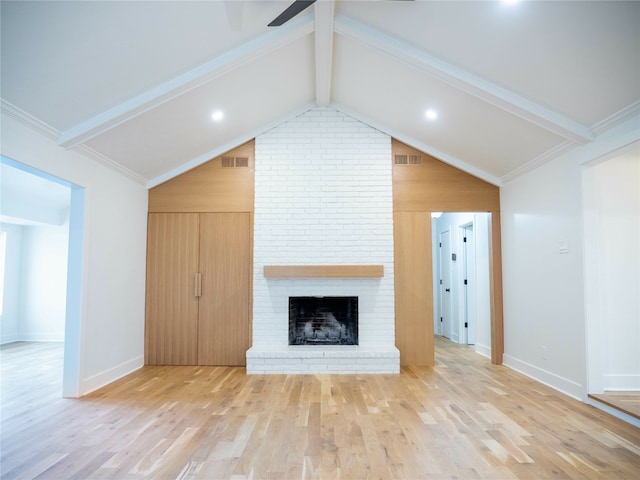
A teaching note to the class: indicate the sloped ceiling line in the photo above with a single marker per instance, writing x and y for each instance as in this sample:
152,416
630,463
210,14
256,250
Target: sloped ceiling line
440,155
220,149
324,51
463,80
186,82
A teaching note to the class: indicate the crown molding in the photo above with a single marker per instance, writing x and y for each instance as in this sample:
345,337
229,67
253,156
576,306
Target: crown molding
463,80
617,118
51,133
107,162
29,120
599,129
538,161
187,81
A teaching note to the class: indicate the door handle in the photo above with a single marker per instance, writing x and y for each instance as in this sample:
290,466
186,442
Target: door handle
198,285
447,289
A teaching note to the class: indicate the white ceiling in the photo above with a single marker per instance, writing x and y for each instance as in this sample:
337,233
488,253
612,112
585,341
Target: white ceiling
133,84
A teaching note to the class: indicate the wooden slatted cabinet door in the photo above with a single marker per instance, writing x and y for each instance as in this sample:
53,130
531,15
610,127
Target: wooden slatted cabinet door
225,261
171,318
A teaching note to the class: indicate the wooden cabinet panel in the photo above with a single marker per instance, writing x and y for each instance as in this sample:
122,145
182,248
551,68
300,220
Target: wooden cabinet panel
413,285
209,325
225,262
171,317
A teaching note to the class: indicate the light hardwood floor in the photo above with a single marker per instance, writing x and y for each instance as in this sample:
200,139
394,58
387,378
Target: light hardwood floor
465,418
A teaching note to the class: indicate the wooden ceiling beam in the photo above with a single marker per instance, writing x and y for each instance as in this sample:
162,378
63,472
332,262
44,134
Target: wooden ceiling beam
464,80
186,82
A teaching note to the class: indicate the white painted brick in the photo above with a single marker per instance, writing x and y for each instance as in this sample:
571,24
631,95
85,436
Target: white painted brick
323,196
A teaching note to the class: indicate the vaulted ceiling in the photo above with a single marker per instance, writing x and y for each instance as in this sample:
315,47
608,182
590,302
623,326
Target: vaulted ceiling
134,84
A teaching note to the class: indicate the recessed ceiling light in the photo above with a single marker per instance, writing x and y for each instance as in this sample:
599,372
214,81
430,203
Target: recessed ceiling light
431,114
509,2
217,115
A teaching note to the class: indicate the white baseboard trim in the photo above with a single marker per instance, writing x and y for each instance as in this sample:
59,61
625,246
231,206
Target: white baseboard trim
622,382
99,380
564,385
483,350
41,337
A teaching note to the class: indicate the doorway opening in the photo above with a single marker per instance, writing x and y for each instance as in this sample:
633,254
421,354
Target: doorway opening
610,189
461,278
42,217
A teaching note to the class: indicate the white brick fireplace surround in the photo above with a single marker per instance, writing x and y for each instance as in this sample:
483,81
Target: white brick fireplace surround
323,197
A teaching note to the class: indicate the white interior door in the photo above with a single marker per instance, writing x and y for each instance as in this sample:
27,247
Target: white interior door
445,284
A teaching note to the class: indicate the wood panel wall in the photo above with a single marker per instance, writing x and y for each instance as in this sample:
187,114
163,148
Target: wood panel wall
414,335
495,292
418,189
421,188
219,195
211,187
434,186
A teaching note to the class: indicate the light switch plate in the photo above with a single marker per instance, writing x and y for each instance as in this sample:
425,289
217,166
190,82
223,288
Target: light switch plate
563,246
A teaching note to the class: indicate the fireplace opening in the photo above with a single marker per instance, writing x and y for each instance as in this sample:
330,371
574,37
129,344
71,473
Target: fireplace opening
323,320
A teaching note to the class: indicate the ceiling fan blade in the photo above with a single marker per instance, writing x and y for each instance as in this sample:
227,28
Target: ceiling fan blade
294,9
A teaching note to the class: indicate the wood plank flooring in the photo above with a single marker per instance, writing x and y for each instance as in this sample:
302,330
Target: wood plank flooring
464,419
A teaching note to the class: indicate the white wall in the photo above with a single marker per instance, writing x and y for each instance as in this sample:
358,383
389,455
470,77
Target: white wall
617,236
107,317
543,288
43,283
483,298
11,305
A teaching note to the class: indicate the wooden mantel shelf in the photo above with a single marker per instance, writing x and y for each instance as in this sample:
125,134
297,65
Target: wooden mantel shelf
324,271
